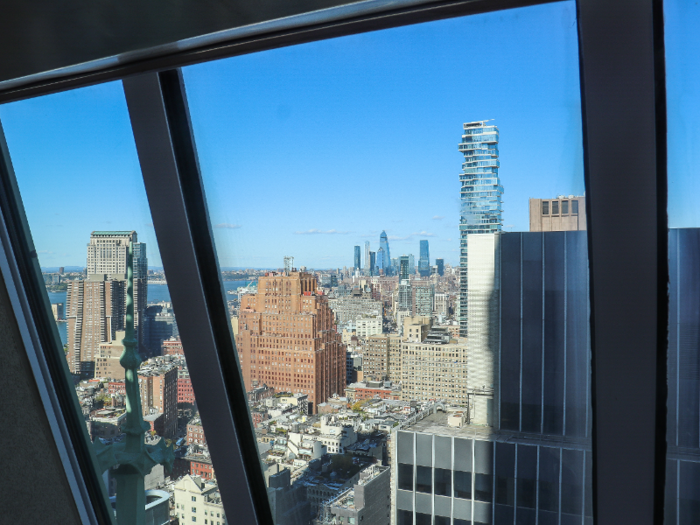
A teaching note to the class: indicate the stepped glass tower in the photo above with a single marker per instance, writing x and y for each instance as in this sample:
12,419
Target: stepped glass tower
480,193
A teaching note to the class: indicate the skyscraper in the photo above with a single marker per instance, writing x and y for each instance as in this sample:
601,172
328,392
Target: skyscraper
372,263
481,209
95,306
386,260
107,253
288,340
368,267
356,263
379,262
405,298
440,263
403,268
411,264
424,260
95,311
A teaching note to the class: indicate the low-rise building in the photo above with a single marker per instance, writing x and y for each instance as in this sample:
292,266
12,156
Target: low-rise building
301,401
368,501
260,392
201,465
172,346
195,433
197,500
372,390
106,423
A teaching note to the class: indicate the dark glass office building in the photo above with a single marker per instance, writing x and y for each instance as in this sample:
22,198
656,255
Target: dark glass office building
533,465
356,262
424,260
440,263
683,423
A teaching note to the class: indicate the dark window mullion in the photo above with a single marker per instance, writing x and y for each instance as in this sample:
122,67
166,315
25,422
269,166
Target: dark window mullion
167,155
625,207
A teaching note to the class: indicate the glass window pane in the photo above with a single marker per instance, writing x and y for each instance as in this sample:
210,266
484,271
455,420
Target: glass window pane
443,482
424,479
405,476
682,504
382,298
78,173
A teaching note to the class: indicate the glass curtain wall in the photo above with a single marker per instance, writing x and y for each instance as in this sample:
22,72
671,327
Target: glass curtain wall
384,393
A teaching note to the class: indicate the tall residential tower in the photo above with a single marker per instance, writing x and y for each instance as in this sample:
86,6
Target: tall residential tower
481,207
95,306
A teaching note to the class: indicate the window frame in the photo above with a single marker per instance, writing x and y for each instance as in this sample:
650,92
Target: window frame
624,125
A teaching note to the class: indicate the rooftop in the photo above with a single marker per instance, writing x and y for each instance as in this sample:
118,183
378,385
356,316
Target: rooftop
436,423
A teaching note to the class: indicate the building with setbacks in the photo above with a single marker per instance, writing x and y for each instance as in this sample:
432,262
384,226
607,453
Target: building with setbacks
287,338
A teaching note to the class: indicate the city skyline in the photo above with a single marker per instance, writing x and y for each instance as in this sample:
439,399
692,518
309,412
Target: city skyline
401,101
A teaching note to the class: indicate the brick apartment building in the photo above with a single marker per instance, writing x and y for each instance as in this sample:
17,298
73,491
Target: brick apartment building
195,433
288,340
158,385
172,346
185,393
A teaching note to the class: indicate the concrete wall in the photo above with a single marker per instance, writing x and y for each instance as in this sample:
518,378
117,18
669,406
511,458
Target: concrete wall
35,489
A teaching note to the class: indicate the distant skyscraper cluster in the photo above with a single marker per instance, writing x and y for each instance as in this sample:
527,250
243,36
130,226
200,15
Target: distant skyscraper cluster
381,262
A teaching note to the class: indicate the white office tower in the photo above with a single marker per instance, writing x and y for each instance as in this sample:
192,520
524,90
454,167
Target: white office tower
483,297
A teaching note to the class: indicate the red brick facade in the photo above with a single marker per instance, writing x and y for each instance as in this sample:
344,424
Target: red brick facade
185,394
288,340
195,434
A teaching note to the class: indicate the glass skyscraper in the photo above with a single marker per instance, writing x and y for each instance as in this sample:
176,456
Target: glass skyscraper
424,260
368,266
379,261
386,259
356,262
481,205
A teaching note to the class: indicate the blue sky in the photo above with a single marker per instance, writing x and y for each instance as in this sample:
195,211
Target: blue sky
682,19
312,149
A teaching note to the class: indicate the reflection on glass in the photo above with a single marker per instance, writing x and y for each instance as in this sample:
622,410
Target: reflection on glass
413,322
86,204
682,504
